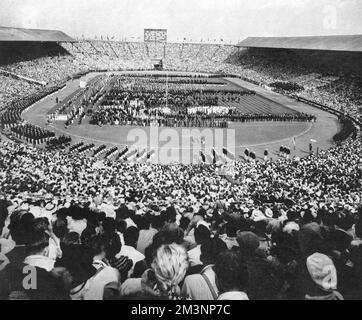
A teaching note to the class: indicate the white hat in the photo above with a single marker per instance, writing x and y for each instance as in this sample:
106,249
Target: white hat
202,223
322,271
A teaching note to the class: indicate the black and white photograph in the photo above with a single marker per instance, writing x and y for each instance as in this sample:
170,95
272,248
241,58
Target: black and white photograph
199,152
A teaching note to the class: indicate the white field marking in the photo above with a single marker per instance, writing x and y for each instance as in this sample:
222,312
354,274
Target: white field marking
46,97
180,148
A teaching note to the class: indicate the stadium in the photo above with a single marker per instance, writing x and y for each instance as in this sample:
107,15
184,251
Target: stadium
117,156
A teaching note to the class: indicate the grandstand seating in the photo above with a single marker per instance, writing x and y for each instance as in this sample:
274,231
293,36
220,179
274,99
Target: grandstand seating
84,206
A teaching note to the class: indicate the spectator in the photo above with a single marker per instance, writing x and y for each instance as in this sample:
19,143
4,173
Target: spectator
231,276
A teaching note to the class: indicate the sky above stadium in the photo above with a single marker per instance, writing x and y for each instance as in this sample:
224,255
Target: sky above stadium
209,20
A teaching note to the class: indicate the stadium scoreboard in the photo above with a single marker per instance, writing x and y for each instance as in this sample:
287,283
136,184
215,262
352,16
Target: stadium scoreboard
155,35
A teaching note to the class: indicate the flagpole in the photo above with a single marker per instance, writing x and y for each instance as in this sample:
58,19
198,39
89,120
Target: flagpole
166,89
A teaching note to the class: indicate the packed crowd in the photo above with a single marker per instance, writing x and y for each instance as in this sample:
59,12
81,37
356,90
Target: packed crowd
12,89
128,230
93,230
112,55
47,62
317,76
269,68
11,114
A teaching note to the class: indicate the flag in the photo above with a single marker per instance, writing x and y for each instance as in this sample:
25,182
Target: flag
227,154
214,155
124,153
203,158
312,140
150,155
143,155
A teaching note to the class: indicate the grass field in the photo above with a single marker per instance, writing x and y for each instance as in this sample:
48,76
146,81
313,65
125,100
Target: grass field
256,136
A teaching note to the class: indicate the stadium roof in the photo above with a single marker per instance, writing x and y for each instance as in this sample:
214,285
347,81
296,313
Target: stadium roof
351,43
34,35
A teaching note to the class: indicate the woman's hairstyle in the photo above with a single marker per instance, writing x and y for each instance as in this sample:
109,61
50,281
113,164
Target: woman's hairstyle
98,244
210,250
231,272
38,241
170,265
202,234
60,227
71,238
109,225
21,227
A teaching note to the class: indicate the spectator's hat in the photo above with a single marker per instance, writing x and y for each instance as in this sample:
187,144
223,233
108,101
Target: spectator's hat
248,241
322,271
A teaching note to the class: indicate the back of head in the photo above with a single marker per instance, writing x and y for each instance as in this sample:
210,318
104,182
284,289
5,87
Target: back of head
98,245
77,213
143,223
131,236
184,223
38,242
310,239
345,220
121,225
122,213
210,250
231,229
248,242
156,222
109,225
72,238
60,227
41,224
170,265
21,227
231,273
202,234
170,233
169,216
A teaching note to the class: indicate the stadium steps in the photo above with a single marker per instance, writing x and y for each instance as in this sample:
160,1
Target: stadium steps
198,51
182,50
128,46
114,51
105,49
215,53
94,48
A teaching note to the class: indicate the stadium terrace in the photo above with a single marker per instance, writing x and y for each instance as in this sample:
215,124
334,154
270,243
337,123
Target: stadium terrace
100,217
